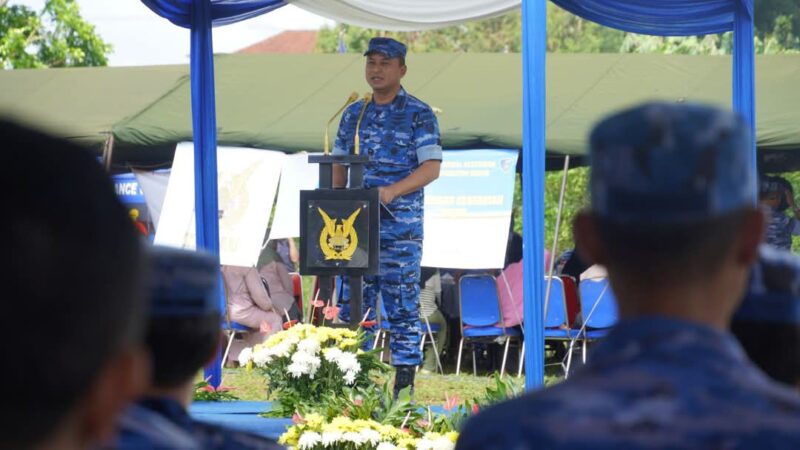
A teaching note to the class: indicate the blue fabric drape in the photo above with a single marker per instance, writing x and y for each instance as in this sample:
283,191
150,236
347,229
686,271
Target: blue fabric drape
204,127
222,12
744,92
534,43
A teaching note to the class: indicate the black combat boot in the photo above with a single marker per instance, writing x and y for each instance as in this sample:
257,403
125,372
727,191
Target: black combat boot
403,378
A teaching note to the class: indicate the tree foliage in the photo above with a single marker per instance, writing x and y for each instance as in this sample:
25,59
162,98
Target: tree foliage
57,36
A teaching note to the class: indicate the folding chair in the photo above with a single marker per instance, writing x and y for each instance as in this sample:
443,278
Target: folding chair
231,328
429,329
599,308
479,315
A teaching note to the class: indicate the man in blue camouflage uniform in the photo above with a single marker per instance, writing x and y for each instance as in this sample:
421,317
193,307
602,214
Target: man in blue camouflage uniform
673,220
182,335
776,194
401,136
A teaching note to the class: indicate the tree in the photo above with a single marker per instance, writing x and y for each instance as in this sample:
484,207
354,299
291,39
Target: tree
55,37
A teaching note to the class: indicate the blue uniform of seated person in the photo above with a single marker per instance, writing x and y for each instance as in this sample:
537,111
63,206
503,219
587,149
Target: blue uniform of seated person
183,334
401,135
768,322
673,219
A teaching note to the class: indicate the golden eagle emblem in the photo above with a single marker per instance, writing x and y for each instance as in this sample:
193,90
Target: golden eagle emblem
338,240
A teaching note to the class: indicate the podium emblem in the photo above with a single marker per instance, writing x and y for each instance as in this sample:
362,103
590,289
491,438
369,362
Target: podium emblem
338,240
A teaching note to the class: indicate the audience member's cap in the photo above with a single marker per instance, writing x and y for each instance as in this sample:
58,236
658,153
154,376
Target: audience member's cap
670,163
773,294
183,283
387,46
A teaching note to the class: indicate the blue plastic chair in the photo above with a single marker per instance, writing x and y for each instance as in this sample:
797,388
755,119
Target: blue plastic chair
480,312
599,310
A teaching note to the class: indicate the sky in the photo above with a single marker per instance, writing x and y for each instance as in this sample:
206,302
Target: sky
141,38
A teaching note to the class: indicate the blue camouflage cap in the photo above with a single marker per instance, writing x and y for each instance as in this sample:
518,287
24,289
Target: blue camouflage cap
670,163
387,46
183,283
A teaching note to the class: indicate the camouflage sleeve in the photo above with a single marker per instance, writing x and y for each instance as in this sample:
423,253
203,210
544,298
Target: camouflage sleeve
427,140
344,137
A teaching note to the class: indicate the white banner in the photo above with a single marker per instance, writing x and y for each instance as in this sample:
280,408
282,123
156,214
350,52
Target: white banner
297,175
154,185
247,183
468,210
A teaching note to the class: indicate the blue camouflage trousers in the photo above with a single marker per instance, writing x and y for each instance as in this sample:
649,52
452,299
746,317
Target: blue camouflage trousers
398,285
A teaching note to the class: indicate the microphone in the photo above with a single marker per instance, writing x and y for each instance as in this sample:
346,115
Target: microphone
352,98
357,140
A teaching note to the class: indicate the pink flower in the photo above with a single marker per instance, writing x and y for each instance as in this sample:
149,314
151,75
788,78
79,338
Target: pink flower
368,324
297,418
358,402
265,327
330,312
289,324
475,408
423,423
451,402
318,303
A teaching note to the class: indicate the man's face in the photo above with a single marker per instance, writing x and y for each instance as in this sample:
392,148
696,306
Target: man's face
384,73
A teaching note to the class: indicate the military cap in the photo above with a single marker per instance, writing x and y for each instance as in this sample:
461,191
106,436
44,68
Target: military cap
183,283
386,46
670,163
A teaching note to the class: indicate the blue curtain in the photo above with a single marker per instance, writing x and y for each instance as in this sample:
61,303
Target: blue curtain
222,12
534,44
654,17
199,16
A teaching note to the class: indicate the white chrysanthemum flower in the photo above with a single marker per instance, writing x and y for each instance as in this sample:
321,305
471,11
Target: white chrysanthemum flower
354,437
443,443
297,370
308,345
261,357
308,440
245,356
425,444
331,437
349,378
332,354
348,363
370,436
386,446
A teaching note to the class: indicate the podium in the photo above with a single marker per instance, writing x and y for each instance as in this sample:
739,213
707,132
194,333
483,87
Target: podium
340,229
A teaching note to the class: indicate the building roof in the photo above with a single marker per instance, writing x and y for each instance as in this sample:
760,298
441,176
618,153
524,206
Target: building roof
300,41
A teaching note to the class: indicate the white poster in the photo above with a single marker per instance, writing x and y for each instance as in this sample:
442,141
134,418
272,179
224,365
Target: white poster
297,175
247,183
154,185
468,210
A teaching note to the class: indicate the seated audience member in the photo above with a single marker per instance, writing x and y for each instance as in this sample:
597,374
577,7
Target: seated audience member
673,221
777,194
74,302
249,304
278,283
768,321
182,335
570,264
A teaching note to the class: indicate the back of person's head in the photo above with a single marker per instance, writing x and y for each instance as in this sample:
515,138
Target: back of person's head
73,284
768,321
183,330
671,190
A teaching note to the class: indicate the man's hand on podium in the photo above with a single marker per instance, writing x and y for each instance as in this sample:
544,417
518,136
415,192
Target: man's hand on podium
387,194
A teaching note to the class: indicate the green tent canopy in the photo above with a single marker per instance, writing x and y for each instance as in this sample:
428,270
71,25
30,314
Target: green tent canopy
282,102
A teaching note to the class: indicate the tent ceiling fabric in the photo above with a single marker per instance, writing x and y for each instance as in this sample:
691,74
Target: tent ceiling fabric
408,15
479,94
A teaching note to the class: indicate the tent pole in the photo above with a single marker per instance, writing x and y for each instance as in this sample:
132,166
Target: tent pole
555,236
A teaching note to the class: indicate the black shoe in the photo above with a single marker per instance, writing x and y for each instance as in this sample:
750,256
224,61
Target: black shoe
403,378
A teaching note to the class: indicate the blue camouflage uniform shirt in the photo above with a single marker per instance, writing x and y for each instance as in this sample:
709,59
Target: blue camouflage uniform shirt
398,137
160,423
652,383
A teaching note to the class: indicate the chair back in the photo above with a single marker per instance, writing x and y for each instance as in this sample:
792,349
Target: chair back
478,301
297,285
598,304
571,299
556,308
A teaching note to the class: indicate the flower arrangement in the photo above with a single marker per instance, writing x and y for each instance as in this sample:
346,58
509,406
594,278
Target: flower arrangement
315,432
304,363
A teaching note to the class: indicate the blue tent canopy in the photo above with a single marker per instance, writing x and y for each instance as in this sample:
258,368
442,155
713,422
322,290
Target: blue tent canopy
656,17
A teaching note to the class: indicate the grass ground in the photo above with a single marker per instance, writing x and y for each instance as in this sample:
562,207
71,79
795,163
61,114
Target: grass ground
430,388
